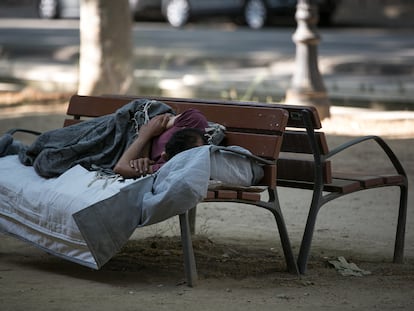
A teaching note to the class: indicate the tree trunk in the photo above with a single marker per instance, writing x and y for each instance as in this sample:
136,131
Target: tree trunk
106,48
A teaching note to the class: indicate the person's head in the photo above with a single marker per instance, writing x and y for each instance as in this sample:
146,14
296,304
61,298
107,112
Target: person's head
184,139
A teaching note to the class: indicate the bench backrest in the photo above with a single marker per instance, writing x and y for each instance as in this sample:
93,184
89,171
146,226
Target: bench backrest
302,139
256,127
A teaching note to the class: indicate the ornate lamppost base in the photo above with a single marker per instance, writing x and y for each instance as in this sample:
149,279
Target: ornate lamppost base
307,88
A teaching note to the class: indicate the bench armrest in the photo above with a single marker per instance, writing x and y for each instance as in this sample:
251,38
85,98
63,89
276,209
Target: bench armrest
319,157
384,146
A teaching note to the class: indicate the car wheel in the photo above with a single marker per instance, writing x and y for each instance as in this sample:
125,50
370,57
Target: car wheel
48,9
177,12
255,13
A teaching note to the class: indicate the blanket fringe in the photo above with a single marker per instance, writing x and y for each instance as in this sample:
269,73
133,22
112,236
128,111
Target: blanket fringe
107,175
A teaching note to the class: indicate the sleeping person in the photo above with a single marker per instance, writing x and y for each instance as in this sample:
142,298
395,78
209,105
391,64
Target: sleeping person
131,141
148,153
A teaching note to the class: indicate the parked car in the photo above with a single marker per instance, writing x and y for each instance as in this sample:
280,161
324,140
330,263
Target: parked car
255,13
54,9
58,8
71,8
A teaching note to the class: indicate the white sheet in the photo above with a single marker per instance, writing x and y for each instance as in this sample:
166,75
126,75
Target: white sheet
87,221
40,210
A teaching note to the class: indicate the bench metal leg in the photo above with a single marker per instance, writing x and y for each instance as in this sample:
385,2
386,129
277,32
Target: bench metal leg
402,219
274,208
188,252
307,241
192,213
286,246
318,201
309,229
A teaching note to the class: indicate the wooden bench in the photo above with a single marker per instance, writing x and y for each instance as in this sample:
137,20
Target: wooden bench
256,127
306,162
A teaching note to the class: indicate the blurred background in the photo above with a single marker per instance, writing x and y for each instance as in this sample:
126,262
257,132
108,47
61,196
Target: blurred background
228,49
383,13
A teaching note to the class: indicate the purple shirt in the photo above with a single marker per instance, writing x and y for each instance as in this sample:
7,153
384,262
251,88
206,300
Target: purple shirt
191,118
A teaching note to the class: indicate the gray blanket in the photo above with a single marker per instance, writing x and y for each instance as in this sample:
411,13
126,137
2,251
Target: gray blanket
99,141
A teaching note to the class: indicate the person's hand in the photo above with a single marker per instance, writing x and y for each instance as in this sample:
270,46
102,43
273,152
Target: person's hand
156,126
142,166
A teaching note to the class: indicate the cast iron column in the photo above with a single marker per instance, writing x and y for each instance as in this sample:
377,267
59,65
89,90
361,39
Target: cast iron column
307,87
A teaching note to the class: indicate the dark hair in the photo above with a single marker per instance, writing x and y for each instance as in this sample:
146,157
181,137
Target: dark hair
182,140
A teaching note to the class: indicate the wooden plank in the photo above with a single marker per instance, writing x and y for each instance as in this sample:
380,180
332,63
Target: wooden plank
295,113
93,106
269,176
336,186
249,196
343,186
230,114
366,181
298,141
233,117
262,145
226,194
68,122
392,179
295,168
210,194
371,181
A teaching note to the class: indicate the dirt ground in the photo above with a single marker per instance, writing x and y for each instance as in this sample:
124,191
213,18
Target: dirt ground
237,248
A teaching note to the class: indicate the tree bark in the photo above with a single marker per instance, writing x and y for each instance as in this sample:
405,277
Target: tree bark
106,48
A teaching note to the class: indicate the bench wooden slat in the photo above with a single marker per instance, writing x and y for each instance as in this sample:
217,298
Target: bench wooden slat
295,111
261,117
210,194
232,117
249,196
270,176
337,185
343,186
265,146
93,106
371,181
393,179
292,168
366,181
226,194
298,141
68,122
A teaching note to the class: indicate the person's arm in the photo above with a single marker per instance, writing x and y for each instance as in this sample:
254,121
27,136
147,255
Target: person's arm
135,161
